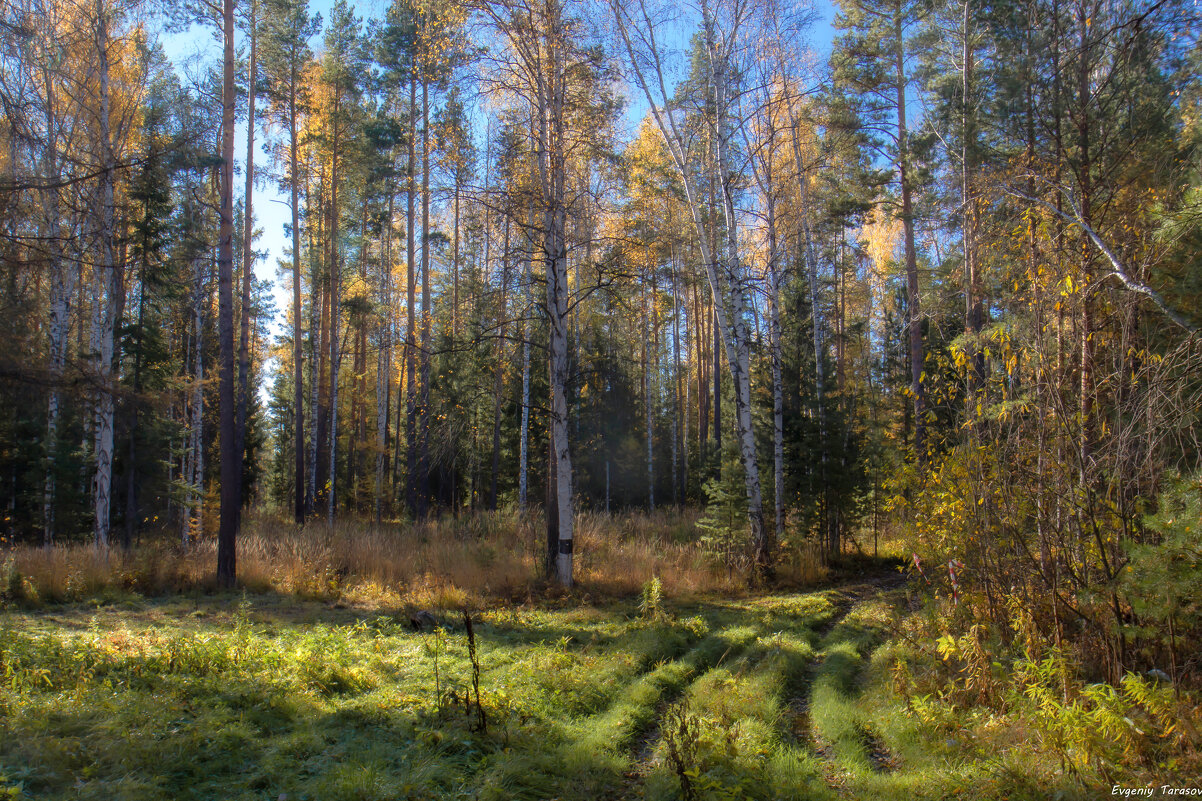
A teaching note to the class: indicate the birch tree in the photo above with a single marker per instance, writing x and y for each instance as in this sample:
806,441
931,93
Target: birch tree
724,34
547,64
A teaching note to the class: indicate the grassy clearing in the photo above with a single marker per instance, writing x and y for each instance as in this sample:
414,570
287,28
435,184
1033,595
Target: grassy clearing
254,696
476,560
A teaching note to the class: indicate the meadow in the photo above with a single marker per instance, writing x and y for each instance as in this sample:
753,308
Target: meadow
632,686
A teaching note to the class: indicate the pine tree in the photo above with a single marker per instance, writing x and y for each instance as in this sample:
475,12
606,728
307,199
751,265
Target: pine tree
283,57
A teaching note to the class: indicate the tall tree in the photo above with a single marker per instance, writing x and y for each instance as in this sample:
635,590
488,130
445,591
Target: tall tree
342,78
872,60
248,238
231,459
287,28
724,40
547,62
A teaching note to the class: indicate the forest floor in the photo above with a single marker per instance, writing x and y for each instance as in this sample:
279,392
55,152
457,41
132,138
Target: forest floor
782,696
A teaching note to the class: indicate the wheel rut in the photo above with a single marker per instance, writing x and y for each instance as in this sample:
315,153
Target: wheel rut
641,751
799,728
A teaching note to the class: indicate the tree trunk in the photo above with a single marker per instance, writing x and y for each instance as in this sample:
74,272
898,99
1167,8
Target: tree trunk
647,403
108,288
774,347
231,463
738,338
297,308
552,162
913,301
320,373
455,258
335,315
131,471
384,362
524,434
411,318
62,287
499,372
248,258
423,470
811,263
678,436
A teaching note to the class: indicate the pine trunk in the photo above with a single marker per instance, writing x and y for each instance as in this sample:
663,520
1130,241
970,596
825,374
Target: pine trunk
231,463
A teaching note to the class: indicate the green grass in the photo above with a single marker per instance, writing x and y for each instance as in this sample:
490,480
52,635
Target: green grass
262,696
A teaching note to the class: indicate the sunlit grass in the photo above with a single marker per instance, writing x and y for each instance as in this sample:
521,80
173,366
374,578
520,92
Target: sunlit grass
252,696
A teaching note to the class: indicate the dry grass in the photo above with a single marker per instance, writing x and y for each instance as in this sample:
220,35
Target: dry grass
448,563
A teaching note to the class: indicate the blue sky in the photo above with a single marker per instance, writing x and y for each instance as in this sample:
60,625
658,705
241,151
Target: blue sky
270,206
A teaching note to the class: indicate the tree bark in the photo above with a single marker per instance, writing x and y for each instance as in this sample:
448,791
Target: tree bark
423,469
62,287
231,463
499,371
335,315
524,434
411,317
297,308
384,362
248,259
913,300
108,288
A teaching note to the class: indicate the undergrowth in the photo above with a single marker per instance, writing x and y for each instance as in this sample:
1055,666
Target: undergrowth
486,558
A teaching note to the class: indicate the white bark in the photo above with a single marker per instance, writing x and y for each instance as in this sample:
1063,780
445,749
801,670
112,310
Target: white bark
107,286
62,287
550,101
675,383
648,377
762,167
727,280
1118,269
523,443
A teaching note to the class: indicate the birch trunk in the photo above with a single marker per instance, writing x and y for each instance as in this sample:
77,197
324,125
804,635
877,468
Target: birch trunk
524,434
553,175
726,280
676,393
778,396
108,286
62,287
764,177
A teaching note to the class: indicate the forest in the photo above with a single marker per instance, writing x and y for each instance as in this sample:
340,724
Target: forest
600,399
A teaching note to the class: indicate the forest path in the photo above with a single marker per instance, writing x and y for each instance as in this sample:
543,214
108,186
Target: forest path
778,661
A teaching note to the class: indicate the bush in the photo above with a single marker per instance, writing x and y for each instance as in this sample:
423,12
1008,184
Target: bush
1173,559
